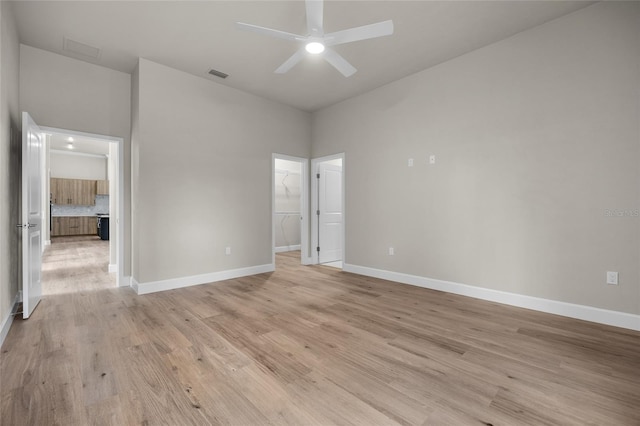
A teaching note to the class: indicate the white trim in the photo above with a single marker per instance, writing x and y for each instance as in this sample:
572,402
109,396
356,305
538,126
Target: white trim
283,249
113,267
133,284
8,320
47,242
154,286
304,194
587,313
120,278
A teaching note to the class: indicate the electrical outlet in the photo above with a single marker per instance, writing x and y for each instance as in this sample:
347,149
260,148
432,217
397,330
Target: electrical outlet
612,278
432,159
227,251
410,162
392,251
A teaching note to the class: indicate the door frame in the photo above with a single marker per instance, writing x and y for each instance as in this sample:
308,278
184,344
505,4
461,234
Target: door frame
304,206
120,280
314,205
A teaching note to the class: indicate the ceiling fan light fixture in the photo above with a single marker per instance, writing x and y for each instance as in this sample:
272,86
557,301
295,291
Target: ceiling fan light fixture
314,47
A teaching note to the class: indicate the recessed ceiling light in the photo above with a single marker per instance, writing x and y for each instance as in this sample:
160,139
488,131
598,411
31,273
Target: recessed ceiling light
70,139
314,47
70,145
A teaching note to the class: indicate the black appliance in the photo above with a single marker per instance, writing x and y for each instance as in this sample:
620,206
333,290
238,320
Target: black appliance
103,227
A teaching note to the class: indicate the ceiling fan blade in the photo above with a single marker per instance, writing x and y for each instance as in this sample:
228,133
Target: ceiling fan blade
314,17
291,62
339,62
269,32
359,33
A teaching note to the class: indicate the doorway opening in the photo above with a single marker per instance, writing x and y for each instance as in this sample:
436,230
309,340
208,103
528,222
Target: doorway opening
328,204
290,230
83,194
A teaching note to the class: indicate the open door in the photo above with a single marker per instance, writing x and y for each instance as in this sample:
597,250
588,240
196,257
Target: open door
329,212
31,225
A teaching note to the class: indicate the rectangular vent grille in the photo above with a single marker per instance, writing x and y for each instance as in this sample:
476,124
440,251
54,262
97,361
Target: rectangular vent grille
81,48
218,73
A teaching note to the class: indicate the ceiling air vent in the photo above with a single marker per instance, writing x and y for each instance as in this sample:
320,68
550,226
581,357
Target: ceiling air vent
81,49
218,73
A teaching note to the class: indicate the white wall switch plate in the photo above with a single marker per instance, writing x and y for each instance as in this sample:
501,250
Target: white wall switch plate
432,159
227,251
392,251
612,278
410,162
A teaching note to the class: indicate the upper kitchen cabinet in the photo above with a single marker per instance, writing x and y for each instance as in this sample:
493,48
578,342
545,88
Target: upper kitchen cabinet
102,187
81,192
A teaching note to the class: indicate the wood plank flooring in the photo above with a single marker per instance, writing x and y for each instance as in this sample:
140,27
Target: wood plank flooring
311,345
77,263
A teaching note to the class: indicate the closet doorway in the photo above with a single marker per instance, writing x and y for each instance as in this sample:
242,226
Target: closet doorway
290,230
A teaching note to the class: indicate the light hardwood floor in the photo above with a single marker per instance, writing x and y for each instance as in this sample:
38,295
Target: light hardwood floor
77,263
311,346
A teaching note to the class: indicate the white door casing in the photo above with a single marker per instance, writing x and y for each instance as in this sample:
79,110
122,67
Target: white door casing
32,151
330,218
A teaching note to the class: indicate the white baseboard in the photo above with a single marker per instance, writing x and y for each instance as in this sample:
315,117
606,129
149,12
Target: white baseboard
154,286
587,313
113,267
283,249
47,242
133,284
8,320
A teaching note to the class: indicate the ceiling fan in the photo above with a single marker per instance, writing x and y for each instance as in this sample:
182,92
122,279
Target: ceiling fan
319,43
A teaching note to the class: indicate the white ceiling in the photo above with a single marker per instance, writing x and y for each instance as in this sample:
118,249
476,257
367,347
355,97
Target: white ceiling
60,142
197,36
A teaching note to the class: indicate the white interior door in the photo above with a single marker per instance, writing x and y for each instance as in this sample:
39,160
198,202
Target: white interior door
32,147
330,213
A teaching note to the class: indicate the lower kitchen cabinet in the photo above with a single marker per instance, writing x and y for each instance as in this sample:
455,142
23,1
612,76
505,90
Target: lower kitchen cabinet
73,225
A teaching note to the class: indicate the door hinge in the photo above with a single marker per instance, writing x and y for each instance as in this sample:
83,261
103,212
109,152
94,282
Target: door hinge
318,249
317,212
318,175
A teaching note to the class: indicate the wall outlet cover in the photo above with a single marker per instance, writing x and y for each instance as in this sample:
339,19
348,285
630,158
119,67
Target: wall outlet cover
612,278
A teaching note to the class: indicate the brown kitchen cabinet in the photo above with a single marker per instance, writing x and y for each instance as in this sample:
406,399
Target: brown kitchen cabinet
81,192
102,187
73,225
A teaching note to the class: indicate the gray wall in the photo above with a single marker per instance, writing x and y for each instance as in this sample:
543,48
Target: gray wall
536,139
10,155
69,94
202,180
